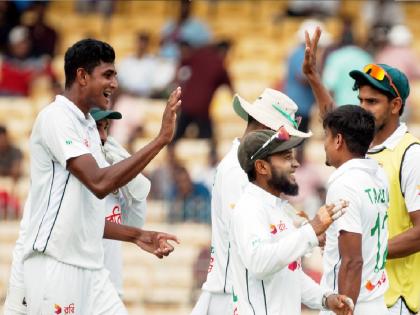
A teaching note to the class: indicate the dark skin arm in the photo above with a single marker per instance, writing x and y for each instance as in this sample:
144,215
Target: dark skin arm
309,68
408,242
150,241
102,181
350,273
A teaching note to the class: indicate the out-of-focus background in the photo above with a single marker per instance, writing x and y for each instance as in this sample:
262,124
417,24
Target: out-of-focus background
213,49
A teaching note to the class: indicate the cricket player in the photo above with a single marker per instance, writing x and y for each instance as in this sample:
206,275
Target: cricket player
268,111
266,244
357,243
383,91
63,252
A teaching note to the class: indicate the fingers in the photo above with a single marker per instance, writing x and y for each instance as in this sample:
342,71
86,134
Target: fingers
339,209
168,237
174,100
315,39
307,40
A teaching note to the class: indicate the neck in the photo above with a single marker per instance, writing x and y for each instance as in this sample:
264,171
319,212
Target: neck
260,182
253,127
384,133
75,97
347,157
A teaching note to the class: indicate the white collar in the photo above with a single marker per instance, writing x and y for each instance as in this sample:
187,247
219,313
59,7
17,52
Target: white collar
392,141
85,119
365,164
264,195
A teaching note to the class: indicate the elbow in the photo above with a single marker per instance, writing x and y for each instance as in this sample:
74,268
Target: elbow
353,264
100,190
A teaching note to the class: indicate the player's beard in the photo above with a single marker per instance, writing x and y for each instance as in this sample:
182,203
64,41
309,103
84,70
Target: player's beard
280,182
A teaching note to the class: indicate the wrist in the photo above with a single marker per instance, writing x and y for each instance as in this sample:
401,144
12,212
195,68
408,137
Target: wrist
324,302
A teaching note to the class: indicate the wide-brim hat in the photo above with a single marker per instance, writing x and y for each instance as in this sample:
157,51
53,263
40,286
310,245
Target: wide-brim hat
273,109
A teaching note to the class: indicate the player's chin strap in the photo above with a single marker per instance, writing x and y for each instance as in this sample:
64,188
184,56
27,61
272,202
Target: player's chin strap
138,188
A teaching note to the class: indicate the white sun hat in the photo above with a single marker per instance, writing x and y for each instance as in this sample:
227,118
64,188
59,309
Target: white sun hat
273,109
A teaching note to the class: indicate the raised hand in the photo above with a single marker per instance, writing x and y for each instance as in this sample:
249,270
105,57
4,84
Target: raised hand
326,215
167,129
156,243
311,46
340,304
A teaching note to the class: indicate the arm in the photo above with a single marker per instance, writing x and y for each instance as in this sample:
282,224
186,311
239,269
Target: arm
150,241
102,181
322,97
263,257
408,242
313,297
350,273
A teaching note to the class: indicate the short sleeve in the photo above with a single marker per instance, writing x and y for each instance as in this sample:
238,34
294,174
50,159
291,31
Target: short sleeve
410,178
63,137
350,221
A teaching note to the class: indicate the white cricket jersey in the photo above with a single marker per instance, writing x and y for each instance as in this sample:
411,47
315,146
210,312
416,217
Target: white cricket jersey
364,184
229,183
266,256
67,220
117,211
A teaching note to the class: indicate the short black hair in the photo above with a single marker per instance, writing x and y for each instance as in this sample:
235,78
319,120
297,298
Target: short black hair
362,82
87,54
355,124
3,129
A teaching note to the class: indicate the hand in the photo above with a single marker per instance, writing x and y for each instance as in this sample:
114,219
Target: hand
167,129
340,304
311,46
156,243
326,215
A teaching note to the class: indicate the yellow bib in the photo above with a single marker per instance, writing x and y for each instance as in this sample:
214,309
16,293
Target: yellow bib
403,273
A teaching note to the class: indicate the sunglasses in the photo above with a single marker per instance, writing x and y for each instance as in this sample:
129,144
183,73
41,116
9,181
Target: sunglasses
281,135
379,74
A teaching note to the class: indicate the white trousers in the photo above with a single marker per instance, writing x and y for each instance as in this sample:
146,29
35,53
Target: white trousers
15,303
399,308
213,304
53,287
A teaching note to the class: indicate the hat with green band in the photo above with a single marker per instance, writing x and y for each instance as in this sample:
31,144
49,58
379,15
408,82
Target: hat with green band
273,109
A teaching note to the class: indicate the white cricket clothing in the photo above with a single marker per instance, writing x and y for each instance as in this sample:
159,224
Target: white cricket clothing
410,172
210,303
399,308
59,288
229,184
266,250
117,211
67,220
364,184
15,303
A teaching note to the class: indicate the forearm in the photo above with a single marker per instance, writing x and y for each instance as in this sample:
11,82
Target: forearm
404,244
119,174
350,277
119,232
322,96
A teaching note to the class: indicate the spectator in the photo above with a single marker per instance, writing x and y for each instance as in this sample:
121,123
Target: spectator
339,63
10,157
10,166
399,53
189,201
19,69
141,74
185,28
307,8
43,37
203,70
9,18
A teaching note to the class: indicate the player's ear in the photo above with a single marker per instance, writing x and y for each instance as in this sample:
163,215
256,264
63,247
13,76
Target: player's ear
262,167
